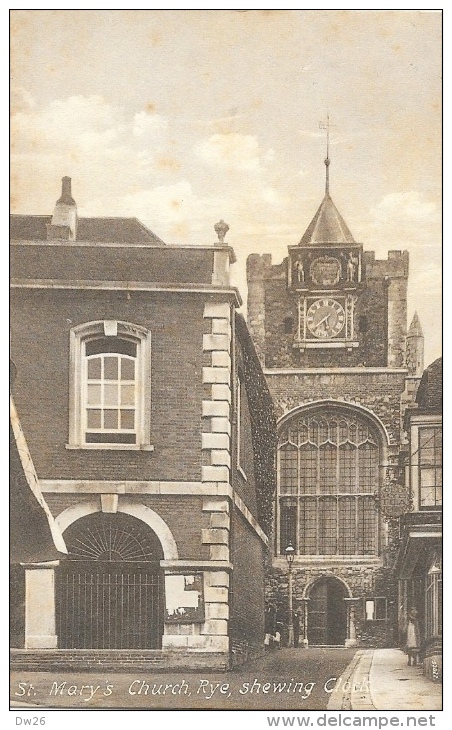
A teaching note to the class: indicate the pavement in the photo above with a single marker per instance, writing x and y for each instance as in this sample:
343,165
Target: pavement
380,679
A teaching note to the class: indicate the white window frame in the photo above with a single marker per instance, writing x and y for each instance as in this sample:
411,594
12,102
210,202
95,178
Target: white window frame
433,597
370,608
435,466
104,328
418,422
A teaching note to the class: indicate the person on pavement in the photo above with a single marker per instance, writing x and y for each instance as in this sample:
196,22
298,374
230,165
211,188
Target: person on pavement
413,638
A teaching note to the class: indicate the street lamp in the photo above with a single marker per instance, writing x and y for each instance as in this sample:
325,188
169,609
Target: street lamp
290,552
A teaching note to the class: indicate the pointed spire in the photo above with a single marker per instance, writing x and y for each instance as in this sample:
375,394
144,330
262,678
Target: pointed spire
415,347
327,227
415,329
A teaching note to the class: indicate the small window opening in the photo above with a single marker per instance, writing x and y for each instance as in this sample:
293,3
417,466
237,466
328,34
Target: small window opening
363,323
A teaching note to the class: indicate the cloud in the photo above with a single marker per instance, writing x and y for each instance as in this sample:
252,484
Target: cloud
148,125
106,148
233,151
82,127
408,206
78,123
173,210
126,163
273,197
178,212
405,218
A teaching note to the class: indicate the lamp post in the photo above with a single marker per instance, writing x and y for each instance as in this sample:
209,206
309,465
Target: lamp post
290,552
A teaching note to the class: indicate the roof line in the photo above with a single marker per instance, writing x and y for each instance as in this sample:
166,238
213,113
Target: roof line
146,229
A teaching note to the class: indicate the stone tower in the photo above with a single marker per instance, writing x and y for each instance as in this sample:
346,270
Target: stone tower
330,327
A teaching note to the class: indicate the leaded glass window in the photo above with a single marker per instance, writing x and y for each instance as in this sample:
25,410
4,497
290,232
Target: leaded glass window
431,467
328,467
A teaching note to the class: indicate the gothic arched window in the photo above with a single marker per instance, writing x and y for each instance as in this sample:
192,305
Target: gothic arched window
328,474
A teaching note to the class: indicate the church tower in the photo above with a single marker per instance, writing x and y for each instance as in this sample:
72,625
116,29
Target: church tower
331,302
330,326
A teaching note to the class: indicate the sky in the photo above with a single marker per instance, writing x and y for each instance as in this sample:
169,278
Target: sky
183,117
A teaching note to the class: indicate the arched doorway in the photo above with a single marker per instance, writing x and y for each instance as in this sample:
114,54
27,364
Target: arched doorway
327,617
110,590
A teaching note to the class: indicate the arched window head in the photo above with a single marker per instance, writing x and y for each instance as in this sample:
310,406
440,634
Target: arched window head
110,386
328,476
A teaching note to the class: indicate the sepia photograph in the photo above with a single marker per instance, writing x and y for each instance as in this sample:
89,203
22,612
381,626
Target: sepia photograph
226,364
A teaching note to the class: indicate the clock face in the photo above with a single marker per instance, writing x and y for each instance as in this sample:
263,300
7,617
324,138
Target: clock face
325,318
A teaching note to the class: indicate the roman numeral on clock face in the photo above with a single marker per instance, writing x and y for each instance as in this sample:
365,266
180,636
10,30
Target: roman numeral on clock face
325,318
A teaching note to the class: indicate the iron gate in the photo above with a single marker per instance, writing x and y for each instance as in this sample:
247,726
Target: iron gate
109,605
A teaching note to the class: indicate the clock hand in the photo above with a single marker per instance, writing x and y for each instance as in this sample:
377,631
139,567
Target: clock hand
323,320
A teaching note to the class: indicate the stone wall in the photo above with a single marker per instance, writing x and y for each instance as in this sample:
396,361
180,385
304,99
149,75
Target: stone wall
378,392
363,580
380,316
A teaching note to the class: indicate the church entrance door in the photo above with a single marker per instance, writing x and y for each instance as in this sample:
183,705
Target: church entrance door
327,617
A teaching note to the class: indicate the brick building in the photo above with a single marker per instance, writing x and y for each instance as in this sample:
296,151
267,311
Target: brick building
419,559
330,328
152,432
